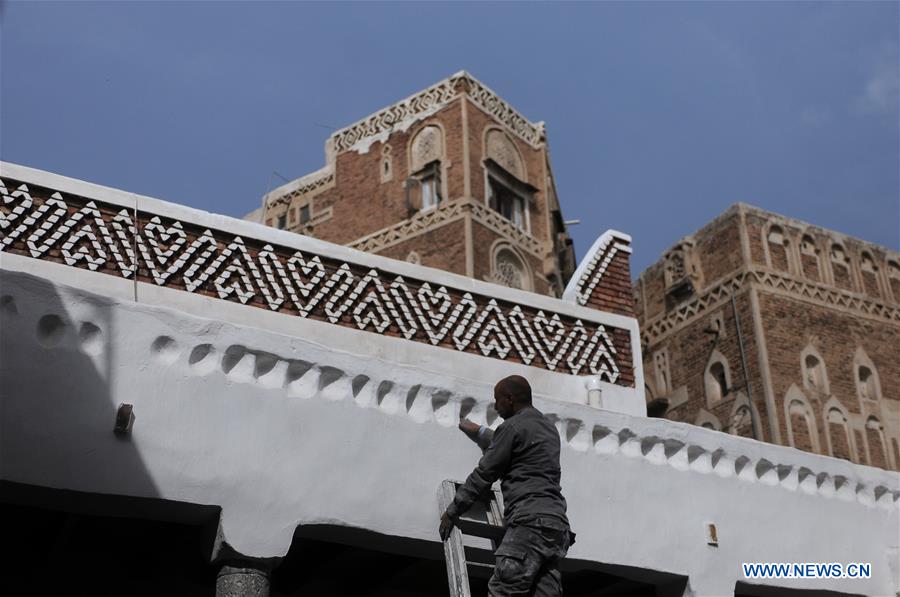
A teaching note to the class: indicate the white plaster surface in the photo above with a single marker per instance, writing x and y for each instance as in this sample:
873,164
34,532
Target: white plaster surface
307,426
567,387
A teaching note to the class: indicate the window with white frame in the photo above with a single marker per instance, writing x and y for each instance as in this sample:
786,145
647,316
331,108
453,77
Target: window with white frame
508,195
512,205
430,185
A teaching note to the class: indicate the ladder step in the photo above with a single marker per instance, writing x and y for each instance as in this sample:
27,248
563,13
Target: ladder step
479,570
478,528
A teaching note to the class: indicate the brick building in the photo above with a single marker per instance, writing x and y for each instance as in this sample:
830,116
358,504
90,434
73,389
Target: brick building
761,322
452,177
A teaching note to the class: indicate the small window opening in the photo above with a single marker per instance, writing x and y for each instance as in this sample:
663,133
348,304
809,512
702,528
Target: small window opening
717,371
510,204
304,214
282,221
815,372
430,185
867,383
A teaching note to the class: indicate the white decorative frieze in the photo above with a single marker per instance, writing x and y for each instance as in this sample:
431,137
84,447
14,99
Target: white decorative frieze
593,267
178,254
400,115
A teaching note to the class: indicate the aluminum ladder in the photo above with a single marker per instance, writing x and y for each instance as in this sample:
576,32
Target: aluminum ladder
484,519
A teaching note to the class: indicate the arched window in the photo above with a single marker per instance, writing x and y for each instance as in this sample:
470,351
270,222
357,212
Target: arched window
426,153
802,431
809,258
717,379
893,272
866,383
815,377
869,273
509,269
801,428
778,248
838,433
840,267
868,386
875,439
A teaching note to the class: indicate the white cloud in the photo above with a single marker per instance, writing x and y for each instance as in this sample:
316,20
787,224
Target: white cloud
881,94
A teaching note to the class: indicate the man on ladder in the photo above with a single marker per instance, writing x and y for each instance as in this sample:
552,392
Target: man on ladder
524,454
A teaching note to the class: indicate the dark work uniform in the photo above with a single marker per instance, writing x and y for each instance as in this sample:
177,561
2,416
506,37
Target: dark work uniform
524,454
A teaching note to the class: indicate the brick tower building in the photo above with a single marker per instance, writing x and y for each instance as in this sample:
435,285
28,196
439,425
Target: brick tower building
451,177
761,323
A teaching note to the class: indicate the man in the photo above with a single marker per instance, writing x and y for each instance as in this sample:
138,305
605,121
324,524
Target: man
524,454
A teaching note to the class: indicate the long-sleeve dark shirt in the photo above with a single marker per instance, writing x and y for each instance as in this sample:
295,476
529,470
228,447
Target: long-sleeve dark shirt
524,454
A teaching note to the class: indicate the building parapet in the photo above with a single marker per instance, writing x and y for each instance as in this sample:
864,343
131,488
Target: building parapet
656,328
402,114
151,242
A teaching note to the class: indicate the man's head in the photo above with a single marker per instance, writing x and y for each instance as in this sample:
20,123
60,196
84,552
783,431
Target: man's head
511,394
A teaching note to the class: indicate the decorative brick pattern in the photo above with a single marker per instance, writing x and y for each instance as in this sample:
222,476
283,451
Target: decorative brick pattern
604,282
79,232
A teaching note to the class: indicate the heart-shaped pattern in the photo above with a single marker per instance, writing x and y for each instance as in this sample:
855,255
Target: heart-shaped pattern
550,333
434,312
157,244
230,268
305,278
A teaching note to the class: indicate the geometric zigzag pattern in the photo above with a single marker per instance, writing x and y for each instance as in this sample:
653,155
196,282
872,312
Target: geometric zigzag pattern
101,237
771,279
598,265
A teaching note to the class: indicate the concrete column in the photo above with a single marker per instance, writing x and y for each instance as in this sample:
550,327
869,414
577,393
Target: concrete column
245,578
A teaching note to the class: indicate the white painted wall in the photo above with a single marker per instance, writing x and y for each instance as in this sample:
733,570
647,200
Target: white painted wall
365,436
563,386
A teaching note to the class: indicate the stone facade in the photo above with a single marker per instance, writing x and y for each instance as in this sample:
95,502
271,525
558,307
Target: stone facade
451,177
761,321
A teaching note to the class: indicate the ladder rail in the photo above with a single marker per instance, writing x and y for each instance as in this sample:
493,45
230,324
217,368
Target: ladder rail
454,548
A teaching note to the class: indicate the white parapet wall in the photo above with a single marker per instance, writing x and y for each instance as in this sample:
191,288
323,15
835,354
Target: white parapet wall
284,421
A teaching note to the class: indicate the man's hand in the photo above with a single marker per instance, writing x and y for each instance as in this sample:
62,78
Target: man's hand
470,429
446,527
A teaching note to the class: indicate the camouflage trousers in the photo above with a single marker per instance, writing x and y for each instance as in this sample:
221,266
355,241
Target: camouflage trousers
528,560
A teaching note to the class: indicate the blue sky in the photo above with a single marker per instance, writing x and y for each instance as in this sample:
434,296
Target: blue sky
659,115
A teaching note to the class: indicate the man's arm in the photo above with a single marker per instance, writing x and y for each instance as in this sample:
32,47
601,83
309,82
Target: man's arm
492,466
479,434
